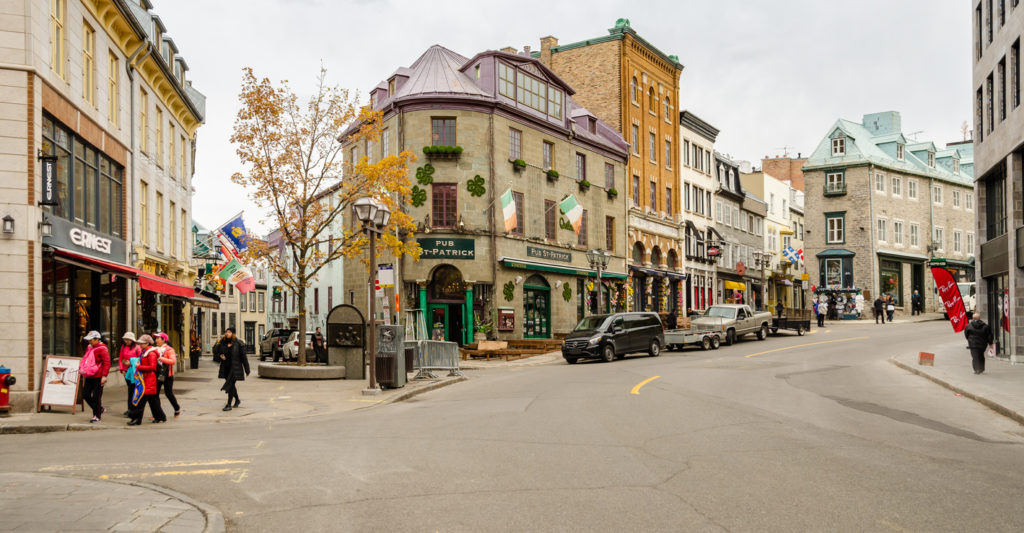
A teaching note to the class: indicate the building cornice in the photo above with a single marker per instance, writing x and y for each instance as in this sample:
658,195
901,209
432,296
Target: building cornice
698,125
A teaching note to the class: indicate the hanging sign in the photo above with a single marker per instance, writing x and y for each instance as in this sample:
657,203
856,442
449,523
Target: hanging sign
386,276
951,298
49,170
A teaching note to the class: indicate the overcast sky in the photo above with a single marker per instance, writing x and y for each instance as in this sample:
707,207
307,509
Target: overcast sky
768,74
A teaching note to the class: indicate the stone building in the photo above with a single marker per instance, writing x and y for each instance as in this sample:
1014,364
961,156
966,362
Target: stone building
878,208
517,129
740,220
634,87
94,104
999,144
699,185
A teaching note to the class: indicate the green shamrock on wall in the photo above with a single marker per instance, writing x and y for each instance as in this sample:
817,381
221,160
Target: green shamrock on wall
567,292
425,174
510,289
564,224
419,196
475,186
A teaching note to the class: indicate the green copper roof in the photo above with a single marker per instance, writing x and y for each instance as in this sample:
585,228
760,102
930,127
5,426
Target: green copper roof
618,33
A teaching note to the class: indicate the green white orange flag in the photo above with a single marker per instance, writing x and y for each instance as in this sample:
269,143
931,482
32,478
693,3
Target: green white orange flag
508,209
573,211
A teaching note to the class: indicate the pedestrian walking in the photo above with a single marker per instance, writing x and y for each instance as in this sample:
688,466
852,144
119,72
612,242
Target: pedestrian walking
819,311
778,309
165,375
147,368
94,367
128,350
879,306
890,307
319,347
672,320
915,304
979,339
234,365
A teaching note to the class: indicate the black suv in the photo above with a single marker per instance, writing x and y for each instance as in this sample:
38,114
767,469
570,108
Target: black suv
272,344
613,336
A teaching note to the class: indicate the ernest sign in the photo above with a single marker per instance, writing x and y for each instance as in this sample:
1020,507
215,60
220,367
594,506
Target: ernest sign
89,240
951,298
447,248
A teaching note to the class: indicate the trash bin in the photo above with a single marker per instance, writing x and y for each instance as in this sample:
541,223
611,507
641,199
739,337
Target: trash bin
390,365
410,356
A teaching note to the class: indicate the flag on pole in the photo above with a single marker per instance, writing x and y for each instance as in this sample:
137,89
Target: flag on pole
573,211
235,232
800,252
508,209
791,254
234,272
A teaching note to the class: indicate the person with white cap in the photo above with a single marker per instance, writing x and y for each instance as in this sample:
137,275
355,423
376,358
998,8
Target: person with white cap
128,350
94,367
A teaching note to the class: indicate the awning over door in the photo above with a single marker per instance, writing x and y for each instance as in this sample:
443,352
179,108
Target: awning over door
149,282
735,285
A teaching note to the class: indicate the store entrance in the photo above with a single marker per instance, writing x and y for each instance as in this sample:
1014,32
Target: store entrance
446,305
536,308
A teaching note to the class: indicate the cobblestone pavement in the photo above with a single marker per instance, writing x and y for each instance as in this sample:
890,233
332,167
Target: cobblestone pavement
43,502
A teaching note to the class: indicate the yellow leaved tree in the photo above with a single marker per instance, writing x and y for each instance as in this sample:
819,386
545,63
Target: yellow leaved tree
294,171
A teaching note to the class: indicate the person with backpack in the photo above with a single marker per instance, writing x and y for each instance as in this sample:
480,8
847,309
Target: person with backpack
147,373
128,350
165,373
94,367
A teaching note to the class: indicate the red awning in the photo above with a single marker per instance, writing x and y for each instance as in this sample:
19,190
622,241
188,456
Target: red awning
149,282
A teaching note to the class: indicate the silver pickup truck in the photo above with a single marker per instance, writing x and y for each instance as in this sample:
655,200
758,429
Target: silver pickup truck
735,320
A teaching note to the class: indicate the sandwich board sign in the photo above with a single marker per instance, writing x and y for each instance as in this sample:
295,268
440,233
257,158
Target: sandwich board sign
60,382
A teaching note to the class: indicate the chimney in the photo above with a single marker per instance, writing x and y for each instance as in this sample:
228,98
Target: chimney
526,51
546,44
509,50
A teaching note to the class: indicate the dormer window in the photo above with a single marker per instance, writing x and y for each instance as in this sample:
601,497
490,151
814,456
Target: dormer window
899,151
931,159
956,166
839,146
391,87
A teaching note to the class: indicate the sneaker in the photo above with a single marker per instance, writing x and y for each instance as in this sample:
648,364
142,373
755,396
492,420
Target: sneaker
177,414
94,420
226,408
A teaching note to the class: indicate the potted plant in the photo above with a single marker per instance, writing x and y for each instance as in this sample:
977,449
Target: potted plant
612,193
552,174
518,164
482,331
584,185
442,152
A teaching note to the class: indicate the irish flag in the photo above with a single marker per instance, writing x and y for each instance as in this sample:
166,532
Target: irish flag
508,209
573,211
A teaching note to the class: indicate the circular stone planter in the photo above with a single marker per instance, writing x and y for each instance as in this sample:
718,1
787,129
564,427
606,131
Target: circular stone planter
276,371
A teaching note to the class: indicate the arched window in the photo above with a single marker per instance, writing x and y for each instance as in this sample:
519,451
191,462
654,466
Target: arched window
651,104
638,253
447,285
665,104
656,256
634,90
673,260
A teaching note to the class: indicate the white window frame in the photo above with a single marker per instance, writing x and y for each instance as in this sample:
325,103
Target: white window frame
939,237
900,151
835,234
912,184
896,186
969,201
897,232
931,159
937,194
915,235
883,233
970,243
958,241
879,183
839,146
956,198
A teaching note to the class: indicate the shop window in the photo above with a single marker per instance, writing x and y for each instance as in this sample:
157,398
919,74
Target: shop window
891,282
536,308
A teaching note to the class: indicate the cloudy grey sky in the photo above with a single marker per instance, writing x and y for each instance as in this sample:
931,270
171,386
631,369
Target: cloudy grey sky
768,74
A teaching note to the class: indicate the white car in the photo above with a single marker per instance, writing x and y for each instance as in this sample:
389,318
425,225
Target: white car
291,347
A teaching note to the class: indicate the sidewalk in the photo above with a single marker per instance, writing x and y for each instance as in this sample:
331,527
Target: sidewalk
869,317
998,388
549,358
44,502
198,392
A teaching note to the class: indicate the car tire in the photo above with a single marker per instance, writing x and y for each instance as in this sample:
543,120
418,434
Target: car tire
715,342
571,360
799,331
730,337
762,333
654,350
608,353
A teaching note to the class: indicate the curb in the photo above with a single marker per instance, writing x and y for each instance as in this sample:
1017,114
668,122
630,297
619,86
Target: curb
52,428
998,408
433,386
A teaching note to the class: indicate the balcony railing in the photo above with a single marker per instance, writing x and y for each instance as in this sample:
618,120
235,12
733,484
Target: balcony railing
835,189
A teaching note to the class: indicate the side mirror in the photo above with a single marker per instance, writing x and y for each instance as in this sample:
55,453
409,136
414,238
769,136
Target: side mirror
616,328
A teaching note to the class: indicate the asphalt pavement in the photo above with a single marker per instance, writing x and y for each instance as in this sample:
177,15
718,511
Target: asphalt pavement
812,433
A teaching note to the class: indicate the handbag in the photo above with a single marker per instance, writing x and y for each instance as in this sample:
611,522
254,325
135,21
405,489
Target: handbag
990,352
161,373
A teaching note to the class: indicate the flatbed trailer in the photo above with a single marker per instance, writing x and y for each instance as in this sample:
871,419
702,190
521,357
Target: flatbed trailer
798,320
706,339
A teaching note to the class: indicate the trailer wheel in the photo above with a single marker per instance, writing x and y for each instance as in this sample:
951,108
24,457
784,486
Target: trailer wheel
800,331
705,343
715,342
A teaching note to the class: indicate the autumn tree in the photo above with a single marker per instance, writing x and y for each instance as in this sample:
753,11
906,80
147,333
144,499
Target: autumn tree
294,171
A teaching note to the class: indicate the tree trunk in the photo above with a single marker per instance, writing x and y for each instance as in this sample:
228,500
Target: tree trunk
302,320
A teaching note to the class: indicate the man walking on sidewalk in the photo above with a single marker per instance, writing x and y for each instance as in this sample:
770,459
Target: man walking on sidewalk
879,309
979,339
915,304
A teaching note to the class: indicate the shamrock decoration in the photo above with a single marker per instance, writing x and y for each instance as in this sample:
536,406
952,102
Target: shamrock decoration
425,174
567,292
564,224
419,196
510,288
475,186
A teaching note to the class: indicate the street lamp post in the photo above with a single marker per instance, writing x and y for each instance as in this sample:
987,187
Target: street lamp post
762,260
599,261
374,217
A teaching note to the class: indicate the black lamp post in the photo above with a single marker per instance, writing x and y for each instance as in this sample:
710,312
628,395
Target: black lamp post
374,216
599,261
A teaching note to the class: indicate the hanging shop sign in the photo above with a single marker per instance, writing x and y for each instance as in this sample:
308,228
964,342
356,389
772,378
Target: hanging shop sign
49,169
447,248
551,255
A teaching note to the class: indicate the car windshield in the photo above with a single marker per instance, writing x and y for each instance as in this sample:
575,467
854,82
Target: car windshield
721,312
591,323
966,289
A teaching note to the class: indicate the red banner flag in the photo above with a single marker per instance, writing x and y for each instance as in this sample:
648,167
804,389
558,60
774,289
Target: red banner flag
951,298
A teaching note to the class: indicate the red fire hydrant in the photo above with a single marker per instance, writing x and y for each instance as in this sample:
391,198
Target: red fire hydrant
6,382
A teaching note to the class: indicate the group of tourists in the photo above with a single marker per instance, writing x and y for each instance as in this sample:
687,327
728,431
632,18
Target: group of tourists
147,364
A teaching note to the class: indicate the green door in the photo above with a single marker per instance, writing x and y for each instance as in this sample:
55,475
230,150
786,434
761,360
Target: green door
437,321
536,308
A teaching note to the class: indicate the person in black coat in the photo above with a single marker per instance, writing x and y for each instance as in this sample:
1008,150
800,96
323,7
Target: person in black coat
979,338
879,309
234,364
915,304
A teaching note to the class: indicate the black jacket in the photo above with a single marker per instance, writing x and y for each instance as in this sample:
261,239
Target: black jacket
235,364
979,334
879,304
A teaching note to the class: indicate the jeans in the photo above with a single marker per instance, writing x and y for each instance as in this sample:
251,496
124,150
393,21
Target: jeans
92,393
154,408
168,387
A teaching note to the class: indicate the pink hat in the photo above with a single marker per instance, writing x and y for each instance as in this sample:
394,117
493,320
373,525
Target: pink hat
162,335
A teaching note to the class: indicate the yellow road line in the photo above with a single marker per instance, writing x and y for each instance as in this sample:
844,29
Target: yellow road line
636,390
168,464
208,472
806,344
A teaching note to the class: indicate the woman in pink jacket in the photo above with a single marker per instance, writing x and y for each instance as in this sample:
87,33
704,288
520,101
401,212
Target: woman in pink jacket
167,358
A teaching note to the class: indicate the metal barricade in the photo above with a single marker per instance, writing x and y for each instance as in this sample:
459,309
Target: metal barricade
437,355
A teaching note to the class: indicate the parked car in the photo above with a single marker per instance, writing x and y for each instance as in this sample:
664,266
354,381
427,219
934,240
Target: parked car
610,337
736,320
291,347
272,344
